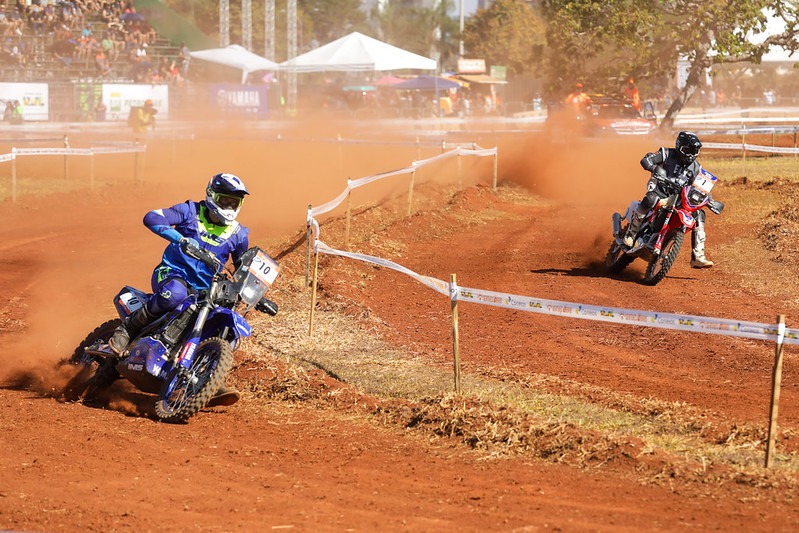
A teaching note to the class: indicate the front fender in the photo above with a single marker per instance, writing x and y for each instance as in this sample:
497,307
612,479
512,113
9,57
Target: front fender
686,218
221,318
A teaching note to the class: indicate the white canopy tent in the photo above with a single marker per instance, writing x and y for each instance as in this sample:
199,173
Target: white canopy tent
237,57
357,52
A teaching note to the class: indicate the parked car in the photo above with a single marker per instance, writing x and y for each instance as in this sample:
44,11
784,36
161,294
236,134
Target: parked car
604,116
613,116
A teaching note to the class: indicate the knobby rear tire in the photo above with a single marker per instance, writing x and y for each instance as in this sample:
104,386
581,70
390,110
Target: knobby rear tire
95,372
616,260
660,264
186,391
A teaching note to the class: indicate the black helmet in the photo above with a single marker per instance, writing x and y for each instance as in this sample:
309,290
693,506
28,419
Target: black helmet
688,145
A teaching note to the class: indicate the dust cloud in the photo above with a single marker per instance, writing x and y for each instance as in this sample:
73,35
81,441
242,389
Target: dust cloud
69,253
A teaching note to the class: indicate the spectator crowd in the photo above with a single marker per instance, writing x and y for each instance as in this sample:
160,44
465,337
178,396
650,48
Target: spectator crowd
100,38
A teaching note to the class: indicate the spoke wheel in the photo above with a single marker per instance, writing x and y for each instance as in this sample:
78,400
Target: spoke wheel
616,260
188,389
660,264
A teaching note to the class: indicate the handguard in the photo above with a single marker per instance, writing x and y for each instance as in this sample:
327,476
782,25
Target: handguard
265,305
716,206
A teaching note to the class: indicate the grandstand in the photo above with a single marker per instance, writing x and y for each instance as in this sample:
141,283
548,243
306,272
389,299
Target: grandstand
75,46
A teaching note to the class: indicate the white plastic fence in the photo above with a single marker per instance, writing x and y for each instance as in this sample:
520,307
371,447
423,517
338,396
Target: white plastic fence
695,323
122,148
354,184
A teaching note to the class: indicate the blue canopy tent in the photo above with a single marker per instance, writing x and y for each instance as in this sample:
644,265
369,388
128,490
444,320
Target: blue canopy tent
426,83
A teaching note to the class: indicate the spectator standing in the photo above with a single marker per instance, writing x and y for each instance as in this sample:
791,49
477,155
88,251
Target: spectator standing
578,99
632,95
142,117
185,59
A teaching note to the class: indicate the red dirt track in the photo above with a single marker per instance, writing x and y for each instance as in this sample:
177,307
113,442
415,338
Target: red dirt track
72,467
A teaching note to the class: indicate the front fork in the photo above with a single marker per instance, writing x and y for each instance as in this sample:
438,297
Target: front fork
190,346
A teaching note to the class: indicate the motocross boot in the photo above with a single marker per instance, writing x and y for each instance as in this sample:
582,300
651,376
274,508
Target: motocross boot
130,327
698,259
225,396
632,230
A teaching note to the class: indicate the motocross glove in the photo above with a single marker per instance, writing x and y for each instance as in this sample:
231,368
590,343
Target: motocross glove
168,233
188,241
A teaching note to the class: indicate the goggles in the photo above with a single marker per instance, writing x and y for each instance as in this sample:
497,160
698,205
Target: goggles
227,201
689,150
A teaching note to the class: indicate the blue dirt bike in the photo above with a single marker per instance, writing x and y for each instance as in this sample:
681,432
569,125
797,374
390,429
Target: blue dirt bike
185,355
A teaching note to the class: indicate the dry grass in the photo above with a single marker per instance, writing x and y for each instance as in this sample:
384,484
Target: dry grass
347,366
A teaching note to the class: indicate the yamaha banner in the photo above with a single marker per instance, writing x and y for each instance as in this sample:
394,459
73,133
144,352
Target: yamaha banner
240,99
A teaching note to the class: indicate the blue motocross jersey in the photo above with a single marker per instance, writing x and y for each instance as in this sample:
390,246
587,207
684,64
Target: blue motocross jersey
191,220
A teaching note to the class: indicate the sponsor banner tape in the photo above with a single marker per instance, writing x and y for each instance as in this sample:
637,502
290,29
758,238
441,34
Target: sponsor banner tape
698,324
7,157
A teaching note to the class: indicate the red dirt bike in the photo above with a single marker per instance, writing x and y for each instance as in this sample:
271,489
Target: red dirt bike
663,229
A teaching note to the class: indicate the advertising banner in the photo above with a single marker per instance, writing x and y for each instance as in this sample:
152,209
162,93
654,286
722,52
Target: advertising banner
240,99
32,96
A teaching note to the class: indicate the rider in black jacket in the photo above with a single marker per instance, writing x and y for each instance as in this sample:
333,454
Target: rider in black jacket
671,163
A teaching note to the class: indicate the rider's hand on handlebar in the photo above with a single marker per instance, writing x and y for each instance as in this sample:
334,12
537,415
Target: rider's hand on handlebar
188,242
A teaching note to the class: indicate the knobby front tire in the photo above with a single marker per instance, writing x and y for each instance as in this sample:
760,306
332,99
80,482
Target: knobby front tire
660,264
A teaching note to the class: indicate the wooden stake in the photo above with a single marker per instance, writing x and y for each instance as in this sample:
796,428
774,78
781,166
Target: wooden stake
66,158
91,171
456,350
313,293
349,215
14,176
776,384
308,247
494,184
460,173
410,190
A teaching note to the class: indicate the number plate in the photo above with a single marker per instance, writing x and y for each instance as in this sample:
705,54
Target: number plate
264,268
704,181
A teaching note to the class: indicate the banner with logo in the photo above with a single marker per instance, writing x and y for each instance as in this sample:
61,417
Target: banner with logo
231,98
32,96
119,98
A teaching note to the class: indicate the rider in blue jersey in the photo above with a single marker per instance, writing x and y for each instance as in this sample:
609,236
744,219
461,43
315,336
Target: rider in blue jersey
210,224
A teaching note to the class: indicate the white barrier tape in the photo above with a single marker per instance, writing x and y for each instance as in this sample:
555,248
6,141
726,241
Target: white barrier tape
752,148
78,151
360,182
698,324
435,284
332,204
53,151
479,152
435,158
7,157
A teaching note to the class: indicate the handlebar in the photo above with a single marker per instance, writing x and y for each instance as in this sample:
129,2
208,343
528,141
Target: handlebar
204,256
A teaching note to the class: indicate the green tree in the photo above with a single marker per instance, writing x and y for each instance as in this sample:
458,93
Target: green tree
423,31
332,19
508,33
605,40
